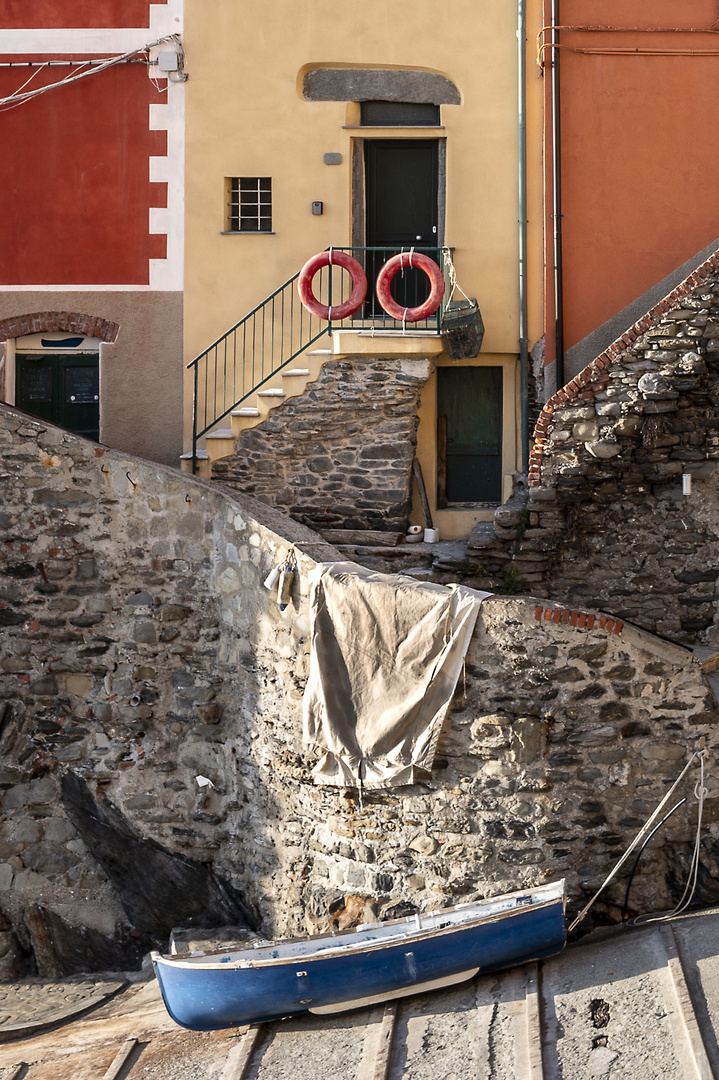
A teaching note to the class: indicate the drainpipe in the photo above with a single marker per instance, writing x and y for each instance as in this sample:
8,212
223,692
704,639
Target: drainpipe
523,307
557,203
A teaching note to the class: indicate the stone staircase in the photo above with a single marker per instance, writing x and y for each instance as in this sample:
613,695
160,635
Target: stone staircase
508,555
285,383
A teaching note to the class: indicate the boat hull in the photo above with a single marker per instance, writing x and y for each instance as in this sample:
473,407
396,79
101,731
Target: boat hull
217,995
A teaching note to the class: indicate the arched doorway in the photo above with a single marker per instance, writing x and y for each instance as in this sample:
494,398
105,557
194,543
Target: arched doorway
50,367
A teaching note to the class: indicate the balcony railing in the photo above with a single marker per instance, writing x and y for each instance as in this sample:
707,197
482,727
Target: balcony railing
279,329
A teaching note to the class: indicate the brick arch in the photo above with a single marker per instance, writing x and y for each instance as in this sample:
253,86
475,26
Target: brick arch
71,322
594,376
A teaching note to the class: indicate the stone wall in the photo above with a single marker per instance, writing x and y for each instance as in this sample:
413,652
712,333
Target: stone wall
140,651
606,523
338,456
134,627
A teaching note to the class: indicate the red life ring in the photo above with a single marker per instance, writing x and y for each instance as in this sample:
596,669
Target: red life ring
436,292
332,258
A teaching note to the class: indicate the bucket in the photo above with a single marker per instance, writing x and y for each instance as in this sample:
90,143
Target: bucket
462,329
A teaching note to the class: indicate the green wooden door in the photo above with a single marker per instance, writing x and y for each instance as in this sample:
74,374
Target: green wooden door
469,411
62,389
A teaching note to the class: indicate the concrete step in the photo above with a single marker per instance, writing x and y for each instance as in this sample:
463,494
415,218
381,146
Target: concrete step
284,384
203,463
219,443
269,399
244,418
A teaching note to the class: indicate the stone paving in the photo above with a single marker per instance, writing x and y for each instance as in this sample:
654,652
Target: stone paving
36,1004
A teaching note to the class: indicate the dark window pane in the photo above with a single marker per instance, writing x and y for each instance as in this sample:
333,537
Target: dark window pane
399,114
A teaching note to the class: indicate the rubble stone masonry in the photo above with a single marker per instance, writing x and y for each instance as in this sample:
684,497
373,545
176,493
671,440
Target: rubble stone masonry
139,651
606,522
338,456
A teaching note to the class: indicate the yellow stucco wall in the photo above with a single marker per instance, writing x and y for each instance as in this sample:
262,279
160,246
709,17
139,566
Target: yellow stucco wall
246,116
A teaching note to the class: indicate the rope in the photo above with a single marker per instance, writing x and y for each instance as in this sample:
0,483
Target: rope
701,754
646,841
700,793
452,277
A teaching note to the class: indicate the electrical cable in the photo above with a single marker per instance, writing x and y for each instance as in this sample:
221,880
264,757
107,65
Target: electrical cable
18,98
642,849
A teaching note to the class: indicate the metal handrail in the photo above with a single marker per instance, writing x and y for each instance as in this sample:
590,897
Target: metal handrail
279,329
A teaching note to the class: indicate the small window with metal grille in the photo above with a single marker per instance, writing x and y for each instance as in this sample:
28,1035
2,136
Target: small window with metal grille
249,204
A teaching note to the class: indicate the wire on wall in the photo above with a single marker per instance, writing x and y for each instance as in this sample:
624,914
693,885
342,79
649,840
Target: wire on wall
22,96
543,44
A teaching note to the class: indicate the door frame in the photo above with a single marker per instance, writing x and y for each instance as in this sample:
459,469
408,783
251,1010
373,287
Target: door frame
359,183
443,503
62,360
457,521
46,343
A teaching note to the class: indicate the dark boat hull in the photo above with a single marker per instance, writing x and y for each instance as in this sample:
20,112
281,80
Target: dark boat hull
205,998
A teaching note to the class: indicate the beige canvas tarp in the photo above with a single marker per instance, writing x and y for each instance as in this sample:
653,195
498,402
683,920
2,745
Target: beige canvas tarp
386,655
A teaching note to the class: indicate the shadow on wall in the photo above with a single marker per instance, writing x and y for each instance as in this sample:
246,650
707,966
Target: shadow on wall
135,630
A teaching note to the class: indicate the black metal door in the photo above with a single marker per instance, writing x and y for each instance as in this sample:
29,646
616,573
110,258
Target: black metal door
62,389
401,178
469,411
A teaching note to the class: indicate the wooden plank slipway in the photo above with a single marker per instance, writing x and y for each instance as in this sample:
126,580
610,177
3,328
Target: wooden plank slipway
627,1002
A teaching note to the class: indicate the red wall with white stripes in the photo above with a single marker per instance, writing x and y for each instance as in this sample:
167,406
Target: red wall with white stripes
52,14
74,173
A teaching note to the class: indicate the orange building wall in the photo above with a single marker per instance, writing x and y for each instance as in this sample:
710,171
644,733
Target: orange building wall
639,186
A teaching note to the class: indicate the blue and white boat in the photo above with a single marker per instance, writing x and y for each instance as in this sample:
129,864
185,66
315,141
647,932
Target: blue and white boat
375,962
